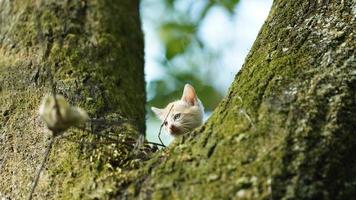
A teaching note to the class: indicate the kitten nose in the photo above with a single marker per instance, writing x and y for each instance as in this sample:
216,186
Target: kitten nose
173,128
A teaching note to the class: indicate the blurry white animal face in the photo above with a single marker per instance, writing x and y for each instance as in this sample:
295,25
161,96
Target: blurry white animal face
185,115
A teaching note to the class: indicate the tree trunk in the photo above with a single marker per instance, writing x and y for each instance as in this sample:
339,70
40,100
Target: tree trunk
286,129
93,51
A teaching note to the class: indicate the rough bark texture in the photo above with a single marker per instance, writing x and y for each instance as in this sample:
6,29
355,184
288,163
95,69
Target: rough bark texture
94,51
286,129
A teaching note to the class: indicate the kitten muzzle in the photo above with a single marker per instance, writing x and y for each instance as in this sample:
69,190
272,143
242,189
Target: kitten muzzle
174,130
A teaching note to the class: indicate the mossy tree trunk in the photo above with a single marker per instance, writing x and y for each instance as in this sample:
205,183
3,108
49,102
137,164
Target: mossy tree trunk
286,129
94,52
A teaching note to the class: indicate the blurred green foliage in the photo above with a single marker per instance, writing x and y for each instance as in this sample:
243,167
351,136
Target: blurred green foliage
178,31
185,54
176,38
173,91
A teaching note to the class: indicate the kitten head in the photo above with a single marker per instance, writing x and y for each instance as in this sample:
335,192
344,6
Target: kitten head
185,115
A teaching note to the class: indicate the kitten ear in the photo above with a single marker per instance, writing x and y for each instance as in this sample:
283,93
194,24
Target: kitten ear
189,95
158,112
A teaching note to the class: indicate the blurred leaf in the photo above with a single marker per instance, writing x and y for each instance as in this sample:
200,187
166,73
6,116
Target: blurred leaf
205,10
172,30
229,5
200,43
169,3
176,47
176,37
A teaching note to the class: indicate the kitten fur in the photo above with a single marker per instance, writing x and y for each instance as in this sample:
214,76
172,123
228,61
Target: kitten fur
186,114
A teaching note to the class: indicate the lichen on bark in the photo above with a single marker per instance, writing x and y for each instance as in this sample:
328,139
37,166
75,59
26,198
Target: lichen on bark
286,128
94,52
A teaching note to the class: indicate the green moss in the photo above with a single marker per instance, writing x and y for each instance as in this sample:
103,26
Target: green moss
272,136
95,65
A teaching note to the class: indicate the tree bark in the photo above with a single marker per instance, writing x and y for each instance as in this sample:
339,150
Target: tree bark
93,51
286,129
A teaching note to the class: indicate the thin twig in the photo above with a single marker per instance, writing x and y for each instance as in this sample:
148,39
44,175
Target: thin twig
242,111
154,143
48,42
105,142
48,150
139,142
160,128
48,45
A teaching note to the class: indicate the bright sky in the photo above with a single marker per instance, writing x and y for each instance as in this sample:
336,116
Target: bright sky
232,37
237,34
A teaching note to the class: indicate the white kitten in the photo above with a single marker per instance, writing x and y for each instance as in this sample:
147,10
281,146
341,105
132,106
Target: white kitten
186,114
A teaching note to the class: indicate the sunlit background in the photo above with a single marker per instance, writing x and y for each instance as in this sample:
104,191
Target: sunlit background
201,42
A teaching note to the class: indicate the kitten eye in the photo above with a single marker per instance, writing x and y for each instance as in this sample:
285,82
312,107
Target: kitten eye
176,116
165,123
